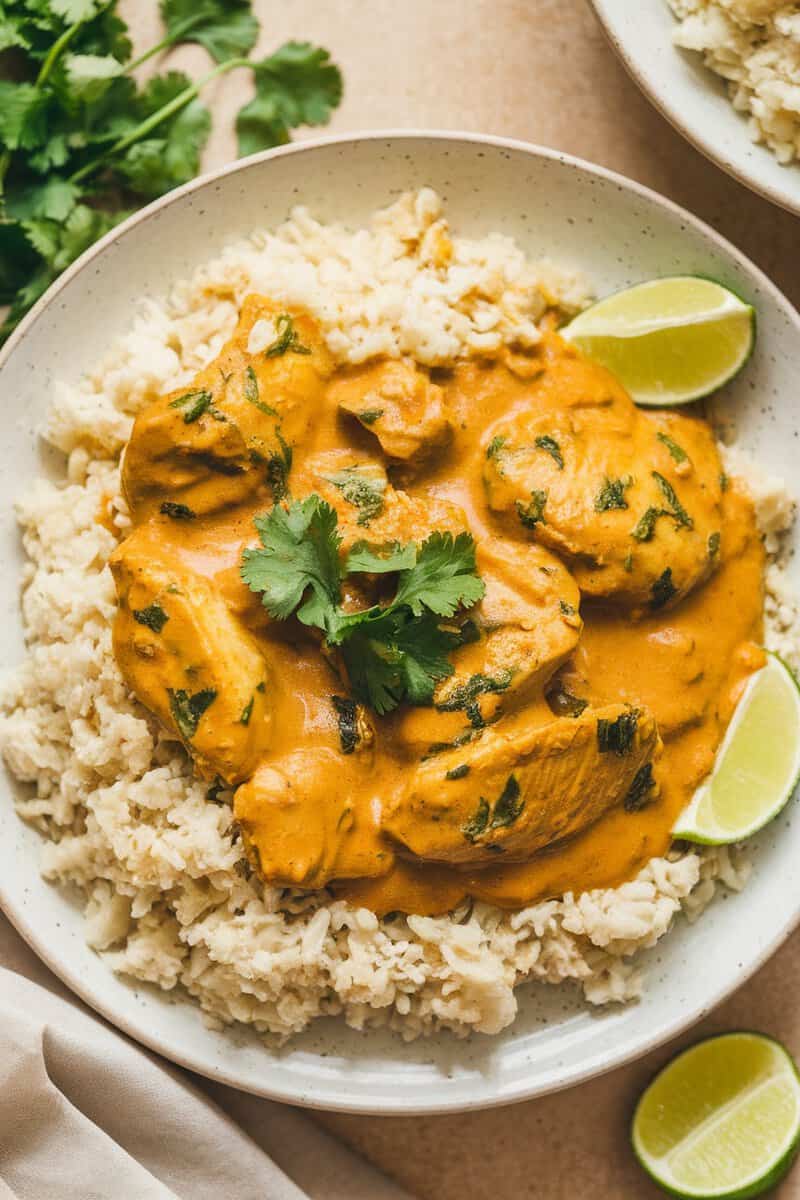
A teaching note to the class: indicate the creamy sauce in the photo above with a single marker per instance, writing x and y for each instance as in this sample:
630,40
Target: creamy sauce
373,824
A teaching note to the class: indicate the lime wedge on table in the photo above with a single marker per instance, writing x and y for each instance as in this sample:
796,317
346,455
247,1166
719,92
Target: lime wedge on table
721,1120
670,340
757,764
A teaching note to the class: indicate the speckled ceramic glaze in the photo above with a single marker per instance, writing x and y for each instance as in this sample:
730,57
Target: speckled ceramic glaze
576,214
693,98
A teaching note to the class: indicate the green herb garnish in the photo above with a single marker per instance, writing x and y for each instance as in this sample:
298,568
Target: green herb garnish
279,464
465,696
187,709
566,609
507,808
612,494
153,617
368,416
645,527
392,652
346,715
675,509
458,772
532,513
478,822
508,805
662,591
495,446
362,490
461,739
83,142
380,560
677,453
178,512
194,405
640,789
551,447
617,737
247,711
288,339
714,540
251,393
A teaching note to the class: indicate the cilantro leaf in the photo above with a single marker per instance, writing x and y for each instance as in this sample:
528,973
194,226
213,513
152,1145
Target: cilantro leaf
187,709
90,75
75,10
226,28
17,259
156,165
443,577
394,658
297,85
391,652
23,115
78,134
300,552
377,560
53,199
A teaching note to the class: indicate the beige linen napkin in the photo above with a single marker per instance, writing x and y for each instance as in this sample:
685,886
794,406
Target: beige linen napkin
86,1114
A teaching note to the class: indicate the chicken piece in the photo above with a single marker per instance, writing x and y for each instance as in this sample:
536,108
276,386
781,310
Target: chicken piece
525,627
302,830
369,508
397,402
506,796
631,499
228,436
187,658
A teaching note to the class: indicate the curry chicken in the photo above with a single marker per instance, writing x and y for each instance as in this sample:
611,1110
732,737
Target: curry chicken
588,687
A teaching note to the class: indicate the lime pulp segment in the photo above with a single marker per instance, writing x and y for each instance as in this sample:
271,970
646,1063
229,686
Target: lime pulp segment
722,1120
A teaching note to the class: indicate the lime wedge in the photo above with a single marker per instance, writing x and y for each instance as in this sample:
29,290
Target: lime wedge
722,1120
670,340
757,764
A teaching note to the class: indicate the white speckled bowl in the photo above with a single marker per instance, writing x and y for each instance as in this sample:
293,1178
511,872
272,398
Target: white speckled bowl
693,98
577,214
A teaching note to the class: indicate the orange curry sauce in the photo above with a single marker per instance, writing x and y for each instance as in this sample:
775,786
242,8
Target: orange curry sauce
623,576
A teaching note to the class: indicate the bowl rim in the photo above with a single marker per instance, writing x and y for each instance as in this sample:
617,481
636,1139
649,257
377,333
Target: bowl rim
393,1105
660,99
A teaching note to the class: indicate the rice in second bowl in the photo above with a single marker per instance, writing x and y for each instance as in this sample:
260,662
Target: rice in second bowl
755,46
169,897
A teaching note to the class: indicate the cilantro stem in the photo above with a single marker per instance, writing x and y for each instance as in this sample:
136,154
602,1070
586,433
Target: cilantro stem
56,50
156,118
171,38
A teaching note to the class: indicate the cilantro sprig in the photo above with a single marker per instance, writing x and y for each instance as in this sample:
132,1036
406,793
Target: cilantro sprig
392,652
83,143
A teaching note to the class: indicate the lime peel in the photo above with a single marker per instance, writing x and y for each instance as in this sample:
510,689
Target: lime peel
757,765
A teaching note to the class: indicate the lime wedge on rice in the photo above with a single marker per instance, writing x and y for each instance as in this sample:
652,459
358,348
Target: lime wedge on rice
722,1120
757,765
670,340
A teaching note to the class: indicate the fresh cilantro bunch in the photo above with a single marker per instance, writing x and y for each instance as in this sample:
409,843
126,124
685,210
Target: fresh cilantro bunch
392,652
82,143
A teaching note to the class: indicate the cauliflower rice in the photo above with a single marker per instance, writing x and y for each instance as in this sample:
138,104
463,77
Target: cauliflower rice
755,46
161,867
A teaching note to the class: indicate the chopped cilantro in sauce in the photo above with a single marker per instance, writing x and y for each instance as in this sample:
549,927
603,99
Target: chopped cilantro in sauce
153,617
287,341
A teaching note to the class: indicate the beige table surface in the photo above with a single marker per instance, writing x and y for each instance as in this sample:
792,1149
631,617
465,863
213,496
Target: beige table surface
538,70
